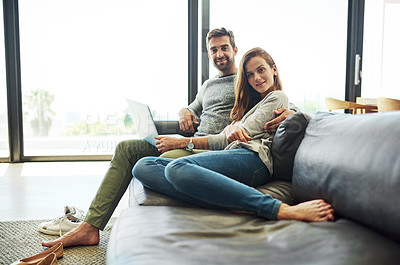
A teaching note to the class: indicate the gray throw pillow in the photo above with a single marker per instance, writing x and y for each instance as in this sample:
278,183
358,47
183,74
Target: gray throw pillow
285,143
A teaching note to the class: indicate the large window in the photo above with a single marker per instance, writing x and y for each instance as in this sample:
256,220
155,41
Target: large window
3,95
307,40
81,59
381,54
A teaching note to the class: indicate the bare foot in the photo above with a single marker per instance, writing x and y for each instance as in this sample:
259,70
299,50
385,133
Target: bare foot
312,211
84,235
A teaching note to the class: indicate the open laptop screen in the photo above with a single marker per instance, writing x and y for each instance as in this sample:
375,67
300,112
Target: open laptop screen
143,121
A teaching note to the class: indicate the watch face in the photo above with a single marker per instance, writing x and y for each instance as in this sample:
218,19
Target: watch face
190,145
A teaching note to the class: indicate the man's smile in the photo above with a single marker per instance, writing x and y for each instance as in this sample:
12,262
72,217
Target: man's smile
222,60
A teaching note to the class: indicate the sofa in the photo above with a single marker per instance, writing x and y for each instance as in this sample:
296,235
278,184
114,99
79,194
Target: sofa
350,161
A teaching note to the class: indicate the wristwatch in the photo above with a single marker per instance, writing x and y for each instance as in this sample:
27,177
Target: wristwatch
190,145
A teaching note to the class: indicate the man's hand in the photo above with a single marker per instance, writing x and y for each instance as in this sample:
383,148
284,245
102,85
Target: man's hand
166,143
234,133
186,120
283,113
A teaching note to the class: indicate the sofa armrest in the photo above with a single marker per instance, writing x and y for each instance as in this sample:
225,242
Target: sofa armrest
353,162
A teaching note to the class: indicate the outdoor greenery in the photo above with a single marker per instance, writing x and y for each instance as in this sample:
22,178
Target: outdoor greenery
39,103
40,115
309,106
121,126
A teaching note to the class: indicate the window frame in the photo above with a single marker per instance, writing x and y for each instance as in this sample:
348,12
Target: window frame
13,78
355,33
13,71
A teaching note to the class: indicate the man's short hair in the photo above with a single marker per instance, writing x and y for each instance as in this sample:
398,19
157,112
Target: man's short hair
219,33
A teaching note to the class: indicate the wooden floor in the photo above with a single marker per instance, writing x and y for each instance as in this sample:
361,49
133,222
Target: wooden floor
32,191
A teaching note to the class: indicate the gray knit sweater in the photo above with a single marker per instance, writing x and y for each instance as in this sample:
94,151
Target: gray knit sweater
213,105
252,122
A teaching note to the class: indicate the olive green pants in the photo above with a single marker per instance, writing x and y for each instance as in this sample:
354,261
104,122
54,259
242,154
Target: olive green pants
119,175
181,152
116,180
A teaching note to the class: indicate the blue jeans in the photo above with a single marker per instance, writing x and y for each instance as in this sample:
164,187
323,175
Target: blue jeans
215,179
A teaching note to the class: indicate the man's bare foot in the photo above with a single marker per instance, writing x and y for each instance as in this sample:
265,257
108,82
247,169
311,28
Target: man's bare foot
84,235
312,211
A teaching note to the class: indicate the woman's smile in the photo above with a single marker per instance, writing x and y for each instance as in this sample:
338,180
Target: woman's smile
260,84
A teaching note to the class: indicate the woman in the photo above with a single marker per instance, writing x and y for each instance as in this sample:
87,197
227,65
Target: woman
225,179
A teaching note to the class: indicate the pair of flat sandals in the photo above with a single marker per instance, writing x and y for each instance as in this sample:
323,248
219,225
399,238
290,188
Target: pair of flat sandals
47,257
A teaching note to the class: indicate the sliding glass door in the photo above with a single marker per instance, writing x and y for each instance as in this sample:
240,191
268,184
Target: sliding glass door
4,150
381,69
80,60
307,40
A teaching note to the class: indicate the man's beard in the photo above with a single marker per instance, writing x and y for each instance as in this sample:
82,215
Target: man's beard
224,67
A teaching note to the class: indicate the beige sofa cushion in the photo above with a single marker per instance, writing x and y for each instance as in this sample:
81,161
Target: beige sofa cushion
139,195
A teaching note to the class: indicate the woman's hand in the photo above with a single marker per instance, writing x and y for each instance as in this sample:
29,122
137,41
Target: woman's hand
234,133
166,143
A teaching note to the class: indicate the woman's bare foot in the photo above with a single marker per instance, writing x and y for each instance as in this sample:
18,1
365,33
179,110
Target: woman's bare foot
84,235
312,211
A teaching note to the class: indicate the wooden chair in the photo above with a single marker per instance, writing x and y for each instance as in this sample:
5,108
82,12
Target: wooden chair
388,104
367,101
335,104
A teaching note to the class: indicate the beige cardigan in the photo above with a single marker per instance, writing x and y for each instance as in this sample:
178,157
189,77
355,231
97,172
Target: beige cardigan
252,122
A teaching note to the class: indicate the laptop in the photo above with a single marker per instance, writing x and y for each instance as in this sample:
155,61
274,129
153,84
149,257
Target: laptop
143,121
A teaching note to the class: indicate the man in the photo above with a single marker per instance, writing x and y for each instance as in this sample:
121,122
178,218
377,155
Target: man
210,111
212,106
217,96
